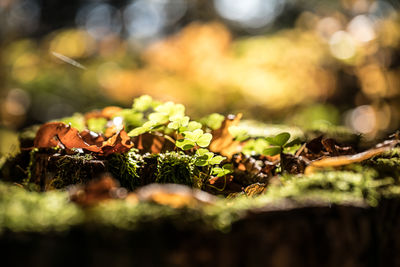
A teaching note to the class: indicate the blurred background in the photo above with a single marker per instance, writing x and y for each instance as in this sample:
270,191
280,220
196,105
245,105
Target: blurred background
300,62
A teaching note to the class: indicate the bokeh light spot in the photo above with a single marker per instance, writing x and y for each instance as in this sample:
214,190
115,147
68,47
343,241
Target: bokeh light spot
250,13
342,45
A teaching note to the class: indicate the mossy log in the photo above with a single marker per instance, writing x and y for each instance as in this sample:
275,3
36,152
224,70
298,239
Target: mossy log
285,234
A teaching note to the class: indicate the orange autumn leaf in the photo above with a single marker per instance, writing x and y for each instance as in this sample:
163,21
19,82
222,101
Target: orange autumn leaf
350,159
223,142
153,143
118,143
107,113
55,134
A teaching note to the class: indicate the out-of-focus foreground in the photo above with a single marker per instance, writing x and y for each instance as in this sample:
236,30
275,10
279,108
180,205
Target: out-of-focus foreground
307,63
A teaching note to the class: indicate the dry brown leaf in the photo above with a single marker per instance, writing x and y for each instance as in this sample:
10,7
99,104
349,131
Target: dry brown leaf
174,195
59,134
97,191
223,142
118,143
151,143
349,159
55,134
92,138
107,113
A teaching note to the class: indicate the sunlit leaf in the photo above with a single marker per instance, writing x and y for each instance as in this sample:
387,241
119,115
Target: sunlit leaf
185,144
272,151
216,160
193,136
214,121
142,103
238,133
202,151
178,121
204,140
158,117
193,125
279,140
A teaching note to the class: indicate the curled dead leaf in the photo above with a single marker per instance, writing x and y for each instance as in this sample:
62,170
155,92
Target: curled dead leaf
174,195
58,134
349,159
97,191
152,143
223,142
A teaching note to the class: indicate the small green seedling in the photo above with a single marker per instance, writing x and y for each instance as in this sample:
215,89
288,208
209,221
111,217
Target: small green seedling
222,171
278,144
205,157
178,121
144,103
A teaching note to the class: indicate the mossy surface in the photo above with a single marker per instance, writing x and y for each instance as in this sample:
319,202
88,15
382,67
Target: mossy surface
176,168
134,170
21,210
64,170
125,167
31,211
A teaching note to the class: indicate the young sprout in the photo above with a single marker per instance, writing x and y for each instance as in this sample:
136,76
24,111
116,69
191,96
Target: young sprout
219,172
278,144
205,157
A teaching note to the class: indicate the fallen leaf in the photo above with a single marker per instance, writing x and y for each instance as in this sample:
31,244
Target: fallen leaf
118,143
223,142
92,138
151,143
96,191
174,195
349,159
55,134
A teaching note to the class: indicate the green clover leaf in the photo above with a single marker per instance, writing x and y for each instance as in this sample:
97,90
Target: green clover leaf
193,125
185,144
159,118
279,140
193,136
178,121
213,121
219,172
216,160
204,140
143,103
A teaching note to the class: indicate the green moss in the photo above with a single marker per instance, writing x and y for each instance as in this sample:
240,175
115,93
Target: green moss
21,210
17,168
176,168
70,169
361,185
125,168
